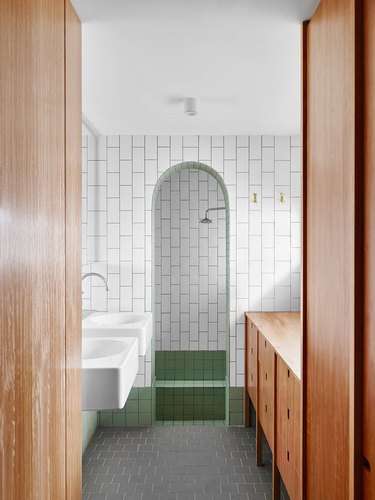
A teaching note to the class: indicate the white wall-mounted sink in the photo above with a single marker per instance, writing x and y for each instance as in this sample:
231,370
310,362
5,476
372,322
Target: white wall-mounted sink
109,368
121,324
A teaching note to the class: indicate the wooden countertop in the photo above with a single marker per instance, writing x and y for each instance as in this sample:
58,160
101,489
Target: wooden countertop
283,332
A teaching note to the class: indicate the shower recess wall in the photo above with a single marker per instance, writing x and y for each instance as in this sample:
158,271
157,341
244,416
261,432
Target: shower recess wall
190,297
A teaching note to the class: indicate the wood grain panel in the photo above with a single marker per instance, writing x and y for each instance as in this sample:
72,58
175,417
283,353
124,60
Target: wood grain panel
330,233
32,249
369,253
73,194
266,384
247,415
304,28
283,331
253,364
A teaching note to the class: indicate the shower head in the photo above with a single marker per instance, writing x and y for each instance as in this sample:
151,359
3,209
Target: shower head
206,220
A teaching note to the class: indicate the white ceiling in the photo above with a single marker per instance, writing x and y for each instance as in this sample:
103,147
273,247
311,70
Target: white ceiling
240,58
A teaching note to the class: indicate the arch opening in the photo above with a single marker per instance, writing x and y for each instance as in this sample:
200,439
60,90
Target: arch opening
190,288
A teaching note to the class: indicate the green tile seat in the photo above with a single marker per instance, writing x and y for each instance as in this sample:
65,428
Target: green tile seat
190,383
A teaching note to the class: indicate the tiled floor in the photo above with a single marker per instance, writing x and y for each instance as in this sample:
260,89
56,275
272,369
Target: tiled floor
174,463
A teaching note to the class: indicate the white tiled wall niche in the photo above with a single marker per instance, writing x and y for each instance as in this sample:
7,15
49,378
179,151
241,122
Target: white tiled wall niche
190,260
119,177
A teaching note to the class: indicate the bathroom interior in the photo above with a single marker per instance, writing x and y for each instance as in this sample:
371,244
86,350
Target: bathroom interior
187,238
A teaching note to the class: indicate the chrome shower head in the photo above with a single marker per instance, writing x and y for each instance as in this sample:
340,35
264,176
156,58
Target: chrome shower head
206,220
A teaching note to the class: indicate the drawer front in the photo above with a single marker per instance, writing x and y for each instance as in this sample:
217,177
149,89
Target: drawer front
253,341
296,399
252,389
266,383
289,389
295,444
290,433
252,361
288,470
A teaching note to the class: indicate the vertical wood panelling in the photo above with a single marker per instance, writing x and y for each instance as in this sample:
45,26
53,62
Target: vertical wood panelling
303,242
369,254
73,300
330,233
33,244
32,236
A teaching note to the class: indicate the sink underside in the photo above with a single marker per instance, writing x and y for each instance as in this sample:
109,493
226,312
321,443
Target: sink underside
109,369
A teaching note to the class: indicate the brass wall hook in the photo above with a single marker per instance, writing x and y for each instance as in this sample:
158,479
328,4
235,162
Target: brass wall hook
282,198
255,198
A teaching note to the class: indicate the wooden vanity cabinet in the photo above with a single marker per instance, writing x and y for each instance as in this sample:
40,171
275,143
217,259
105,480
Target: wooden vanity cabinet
273,353
288,428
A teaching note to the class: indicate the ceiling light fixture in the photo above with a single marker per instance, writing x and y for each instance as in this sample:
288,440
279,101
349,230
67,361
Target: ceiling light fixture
190,106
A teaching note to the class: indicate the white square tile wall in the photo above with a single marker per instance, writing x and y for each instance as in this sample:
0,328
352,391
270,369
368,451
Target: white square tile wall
119,176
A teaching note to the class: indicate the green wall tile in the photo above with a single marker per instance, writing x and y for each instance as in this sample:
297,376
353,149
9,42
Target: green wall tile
139,403
236,406
132,406
89,424
145,418
144,406
118,418
145,393
105,418
235,419
132,419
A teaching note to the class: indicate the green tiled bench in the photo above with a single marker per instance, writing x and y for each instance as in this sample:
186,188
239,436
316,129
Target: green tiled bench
190,385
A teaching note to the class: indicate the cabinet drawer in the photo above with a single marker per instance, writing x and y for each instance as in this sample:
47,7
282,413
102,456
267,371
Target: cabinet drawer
252,361
289,389
253,341
288,470
290,433
264,349
266,382
252,388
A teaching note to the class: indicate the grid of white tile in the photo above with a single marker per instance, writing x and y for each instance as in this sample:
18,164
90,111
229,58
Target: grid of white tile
120,173
190,260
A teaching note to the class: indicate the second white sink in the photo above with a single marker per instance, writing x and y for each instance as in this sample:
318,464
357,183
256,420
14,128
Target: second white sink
109,369
121,324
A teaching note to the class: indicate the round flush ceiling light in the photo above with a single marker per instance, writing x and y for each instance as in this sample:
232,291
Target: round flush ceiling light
190,106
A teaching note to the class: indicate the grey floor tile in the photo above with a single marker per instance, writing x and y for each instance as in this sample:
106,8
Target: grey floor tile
109,488
175,463
98,496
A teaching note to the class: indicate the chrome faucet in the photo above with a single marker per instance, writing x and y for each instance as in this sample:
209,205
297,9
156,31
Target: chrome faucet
86,275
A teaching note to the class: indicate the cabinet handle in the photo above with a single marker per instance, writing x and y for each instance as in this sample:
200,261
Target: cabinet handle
265,343
288,373
287,455
252,351
266,375
266,408
366,464
288,413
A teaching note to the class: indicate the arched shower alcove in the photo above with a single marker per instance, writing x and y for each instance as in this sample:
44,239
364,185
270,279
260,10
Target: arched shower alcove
190,295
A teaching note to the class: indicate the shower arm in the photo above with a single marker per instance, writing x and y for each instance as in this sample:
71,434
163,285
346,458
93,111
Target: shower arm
216,208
